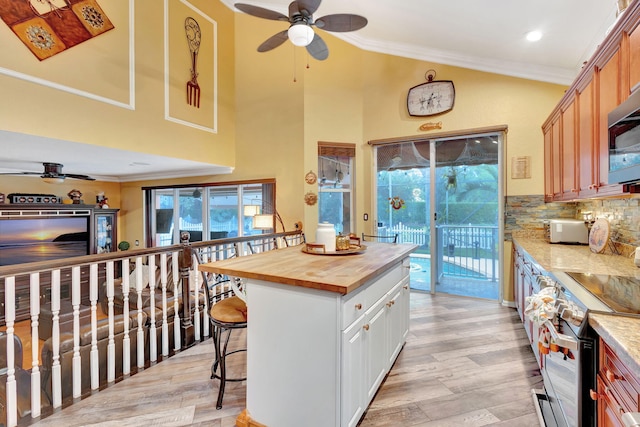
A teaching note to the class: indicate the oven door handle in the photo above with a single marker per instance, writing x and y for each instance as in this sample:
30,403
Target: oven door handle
561,339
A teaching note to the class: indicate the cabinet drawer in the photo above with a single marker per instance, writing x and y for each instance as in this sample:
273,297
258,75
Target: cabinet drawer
354,306
356,303
620,379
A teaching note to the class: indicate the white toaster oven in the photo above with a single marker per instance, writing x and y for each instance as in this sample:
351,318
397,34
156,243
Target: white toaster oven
567,231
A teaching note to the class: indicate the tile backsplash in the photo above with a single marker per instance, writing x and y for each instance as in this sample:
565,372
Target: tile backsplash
524,216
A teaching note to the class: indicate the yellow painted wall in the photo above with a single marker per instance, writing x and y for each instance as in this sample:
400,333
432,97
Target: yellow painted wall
269,124
36,109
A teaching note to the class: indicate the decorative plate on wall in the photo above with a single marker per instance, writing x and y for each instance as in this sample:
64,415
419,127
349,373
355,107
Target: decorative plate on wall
310,198
310,177
599,235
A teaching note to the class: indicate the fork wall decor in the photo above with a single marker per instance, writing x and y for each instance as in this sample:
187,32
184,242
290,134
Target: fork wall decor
194,36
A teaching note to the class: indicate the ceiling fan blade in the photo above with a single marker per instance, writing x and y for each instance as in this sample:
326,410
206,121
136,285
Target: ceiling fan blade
261,12
20,173
318,48
74,176
273,41
341,22
308,7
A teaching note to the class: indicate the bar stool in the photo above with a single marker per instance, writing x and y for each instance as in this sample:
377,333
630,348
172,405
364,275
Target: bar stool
226,314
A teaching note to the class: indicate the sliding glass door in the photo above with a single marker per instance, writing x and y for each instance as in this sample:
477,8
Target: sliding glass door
443,195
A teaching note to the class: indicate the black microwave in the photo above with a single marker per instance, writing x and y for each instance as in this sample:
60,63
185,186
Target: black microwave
624,141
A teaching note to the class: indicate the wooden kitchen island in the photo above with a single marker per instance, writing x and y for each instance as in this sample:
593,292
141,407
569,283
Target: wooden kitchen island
323,331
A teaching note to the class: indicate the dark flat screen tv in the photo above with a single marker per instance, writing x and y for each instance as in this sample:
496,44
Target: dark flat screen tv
43,238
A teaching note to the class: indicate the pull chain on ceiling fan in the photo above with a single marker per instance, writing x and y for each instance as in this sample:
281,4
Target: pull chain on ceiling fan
301,21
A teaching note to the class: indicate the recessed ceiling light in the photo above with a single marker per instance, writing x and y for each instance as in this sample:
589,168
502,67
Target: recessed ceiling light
534,36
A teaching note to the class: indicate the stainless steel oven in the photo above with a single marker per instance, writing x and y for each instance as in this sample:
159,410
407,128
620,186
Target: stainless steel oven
568,375
569,366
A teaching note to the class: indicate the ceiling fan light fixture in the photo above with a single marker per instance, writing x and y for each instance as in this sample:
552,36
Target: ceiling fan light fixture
53,179
300,34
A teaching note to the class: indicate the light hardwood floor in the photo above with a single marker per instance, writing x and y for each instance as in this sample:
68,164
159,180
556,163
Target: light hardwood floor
467,362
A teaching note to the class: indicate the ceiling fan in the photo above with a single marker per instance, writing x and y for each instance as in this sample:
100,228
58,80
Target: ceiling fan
53,174
300,31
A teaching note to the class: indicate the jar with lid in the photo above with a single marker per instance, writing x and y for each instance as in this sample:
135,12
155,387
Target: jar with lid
342,242
326,235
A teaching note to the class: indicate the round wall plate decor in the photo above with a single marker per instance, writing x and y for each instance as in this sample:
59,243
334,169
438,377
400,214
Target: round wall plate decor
310,177
310,198
599,235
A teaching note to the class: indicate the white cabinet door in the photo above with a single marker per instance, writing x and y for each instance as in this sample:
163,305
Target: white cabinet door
394,323
376,346
397,319
405,305
353,374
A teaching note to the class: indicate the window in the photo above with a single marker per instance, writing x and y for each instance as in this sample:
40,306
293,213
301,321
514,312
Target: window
206,211
335,185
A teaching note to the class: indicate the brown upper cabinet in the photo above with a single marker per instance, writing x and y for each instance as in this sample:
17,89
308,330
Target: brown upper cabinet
576,137
588,150
569,153
634,59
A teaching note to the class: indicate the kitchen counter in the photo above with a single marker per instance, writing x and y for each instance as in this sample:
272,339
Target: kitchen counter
322,331
578,258
622,333
334,273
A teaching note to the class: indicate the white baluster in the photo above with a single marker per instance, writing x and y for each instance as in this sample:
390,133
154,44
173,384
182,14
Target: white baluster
176,316
56,371
140,334
196,292
205,313
126,341
165,326
93,298
9,318
77,361
34,298
153,337
111,346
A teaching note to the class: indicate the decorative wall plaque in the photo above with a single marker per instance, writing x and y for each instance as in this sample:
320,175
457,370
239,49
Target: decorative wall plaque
310,198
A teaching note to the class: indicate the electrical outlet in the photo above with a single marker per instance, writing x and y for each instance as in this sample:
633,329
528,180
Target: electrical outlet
137,242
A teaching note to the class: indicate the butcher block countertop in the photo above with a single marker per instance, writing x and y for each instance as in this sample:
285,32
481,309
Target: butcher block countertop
334,273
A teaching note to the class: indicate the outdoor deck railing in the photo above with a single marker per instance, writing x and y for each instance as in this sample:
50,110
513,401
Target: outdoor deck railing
156,321
472,248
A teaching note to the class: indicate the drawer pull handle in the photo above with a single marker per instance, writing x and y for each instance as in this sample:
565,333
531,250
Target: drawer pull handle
612,377
594,395
390,303
358,306
366,327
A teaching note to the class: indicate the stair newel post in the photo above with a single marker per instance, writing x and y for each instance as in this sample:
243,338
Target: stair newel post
187,331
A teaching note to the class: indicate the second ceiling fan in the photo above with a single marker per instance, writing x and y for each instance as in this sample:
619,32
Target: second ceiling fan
301,21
